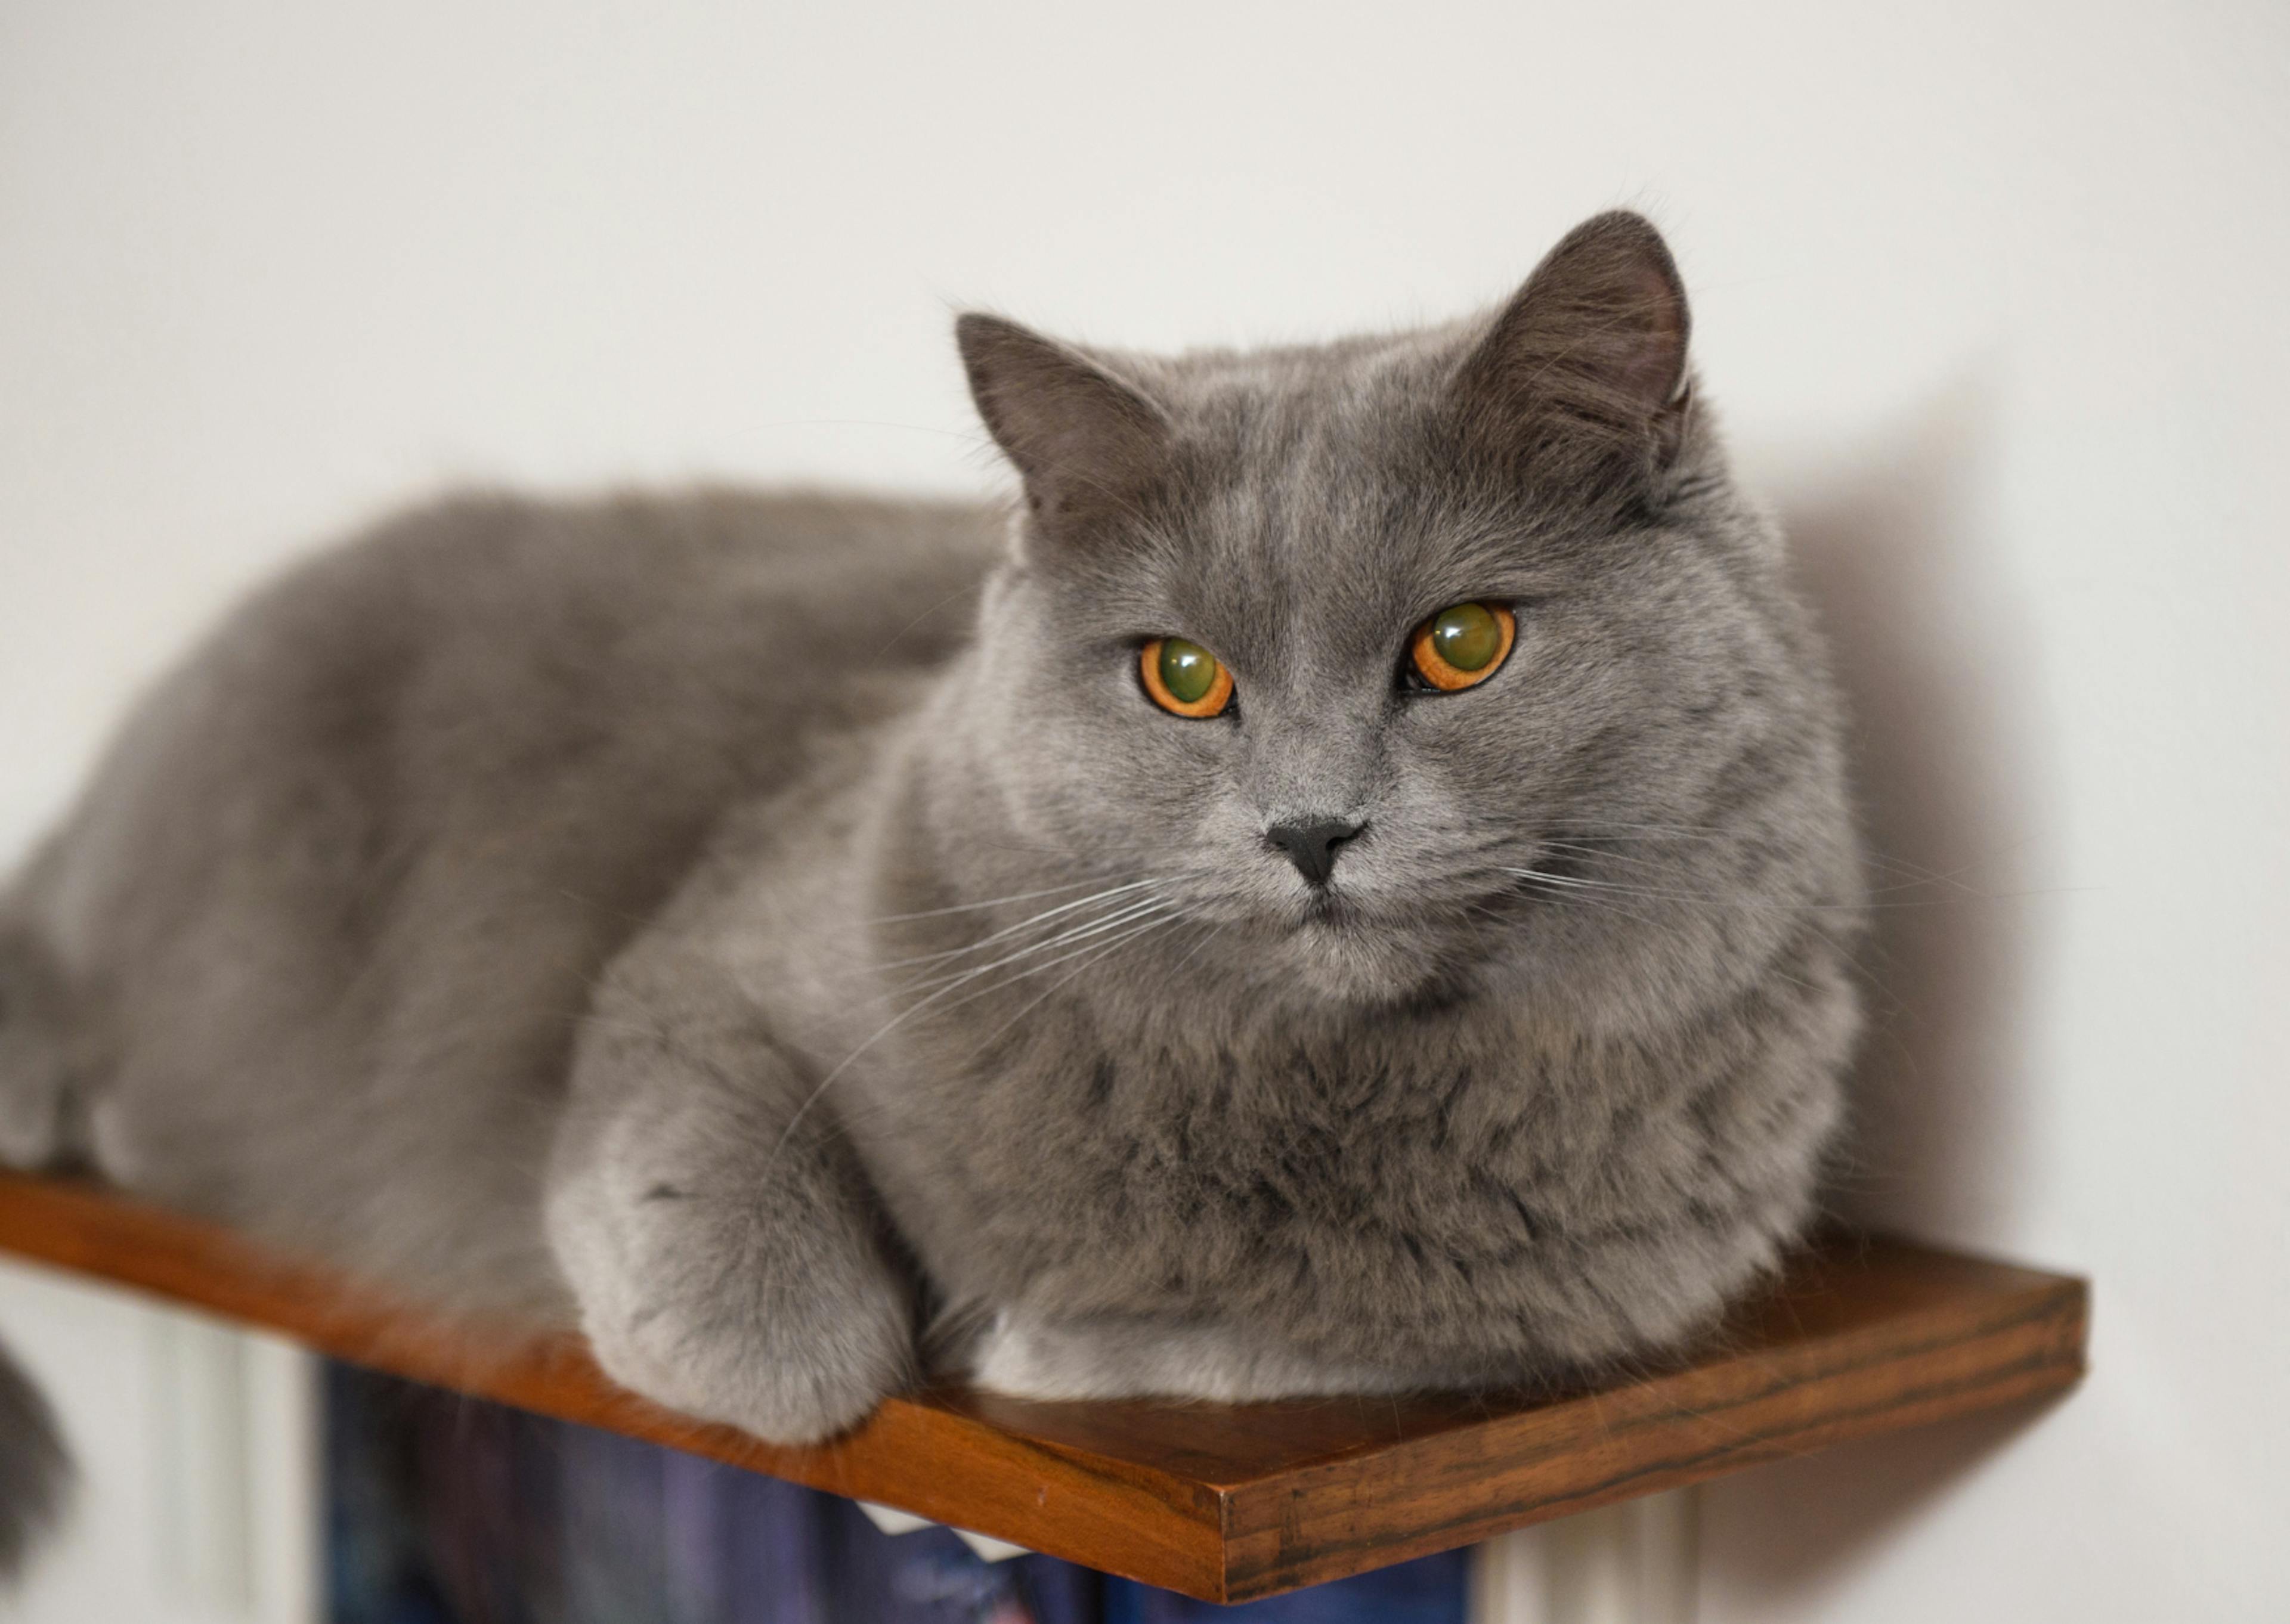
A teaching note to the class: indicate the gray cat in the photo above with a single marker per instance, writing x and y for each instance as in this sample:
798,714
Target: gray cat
1349,890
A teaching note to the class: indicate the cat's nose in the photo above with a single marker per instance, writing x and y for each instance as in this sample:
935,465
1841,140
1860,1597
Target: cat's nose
1311,844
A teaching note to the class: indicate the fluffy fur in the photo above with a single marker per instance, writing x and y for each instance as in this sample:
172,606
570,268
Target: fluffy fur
753,926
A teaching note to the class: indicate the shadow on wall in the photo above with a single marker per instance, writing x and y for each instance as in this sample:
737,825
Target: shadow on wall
1896,547
1894,540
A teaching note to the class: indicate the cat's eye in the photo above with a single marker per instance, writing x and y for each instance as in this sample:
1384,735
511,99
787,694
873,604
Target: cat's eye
1462,646
1184,679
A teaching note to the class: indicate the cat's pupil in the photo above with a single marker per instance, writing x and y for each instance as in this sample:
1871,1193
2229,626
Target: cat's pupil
1467,636
1187,670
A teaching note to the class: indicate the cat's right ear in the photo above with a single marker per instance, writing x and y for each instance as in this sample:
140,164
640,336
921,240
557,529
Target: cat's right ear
1085,442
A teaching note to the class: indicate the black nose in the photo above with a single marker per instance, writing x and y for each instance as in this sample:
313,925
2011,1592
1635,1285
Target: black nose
1312,846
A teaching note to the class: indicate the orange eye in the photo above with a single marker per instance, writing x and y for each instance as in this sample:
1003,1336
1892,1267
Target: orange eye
1184,679
1462,646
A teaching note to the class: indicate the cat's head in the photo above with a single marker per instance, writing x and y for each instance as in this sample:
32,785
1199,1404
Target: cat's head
1364,654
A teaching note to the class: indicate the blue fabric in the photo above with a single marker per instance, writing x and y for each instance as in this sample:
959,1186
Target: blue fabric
448,1510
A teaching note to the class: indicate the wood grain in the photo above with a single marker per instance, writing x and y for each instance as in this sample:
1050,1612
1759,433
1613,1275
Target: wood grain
1229,1503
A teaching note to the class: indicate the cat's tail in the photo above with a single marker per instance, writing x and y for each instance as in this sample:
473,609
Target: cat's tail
36,1473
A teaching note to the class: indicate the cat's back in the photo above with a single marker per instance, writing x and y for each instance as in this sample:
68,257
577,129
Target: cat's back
492,642
378,833
723,590
509,674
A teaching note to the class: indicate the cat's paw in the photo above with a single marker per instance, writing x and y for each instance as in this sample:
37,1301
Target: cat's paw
1027,1357
776,1319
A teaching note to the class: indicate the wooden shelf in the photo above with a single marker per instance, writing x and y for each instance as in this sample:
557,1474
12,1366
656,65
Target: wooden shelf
1863,1336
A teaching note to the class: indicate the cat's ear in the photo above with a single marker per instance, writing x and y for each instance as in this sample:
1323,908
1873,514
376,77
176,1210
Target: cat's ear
1582,379
1085,442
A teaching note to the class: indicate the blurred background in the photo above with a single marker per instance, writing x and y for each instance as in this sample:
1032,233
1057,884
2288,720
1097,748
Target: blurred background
1991,297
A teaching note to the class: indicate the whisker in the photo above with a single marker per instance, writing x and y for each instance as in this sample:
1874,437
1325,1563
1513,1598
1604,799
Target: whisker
1076,932
1608,854
972,907
1706,831
1949,879
1096,955
888,1028
1011,930
1706,899
1031,971
1599,903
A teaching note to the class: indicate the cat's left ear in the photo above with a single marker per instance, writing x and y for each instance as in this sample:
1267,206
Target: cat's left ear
1581,378
1085,442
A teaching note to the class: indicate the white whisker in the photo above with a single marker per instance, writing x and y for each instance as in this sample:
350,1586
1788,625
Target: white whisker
1074,933
1096,954
1916,874
888,1028
1536,877
1700,899
972,907
1011,930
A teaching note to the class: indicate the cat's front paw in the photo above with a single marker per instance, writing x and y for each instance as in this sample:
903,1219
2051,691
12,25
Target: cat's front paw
1028,1357
775,1319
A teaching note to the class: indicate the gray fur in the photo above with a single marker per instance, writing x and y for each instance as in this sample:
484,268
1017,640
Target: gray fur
659,912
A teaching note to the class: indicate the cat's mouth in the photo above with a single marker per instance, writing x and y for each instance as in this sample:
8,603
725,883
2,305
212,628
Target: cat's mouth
1329,909
1342,947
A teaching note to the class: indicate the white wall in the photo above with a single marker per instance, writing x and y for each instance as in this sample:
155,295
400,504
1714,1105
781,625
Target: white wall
1994,296
196,1452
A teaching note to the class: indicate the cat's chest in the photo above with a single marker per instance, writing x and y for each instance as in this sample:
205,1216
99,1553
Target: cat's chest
1237,1162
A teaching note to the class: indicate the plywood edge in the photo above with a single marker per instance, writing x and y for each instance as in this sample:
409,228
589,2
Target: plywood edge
1861,1336
919,1453
1414,1497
